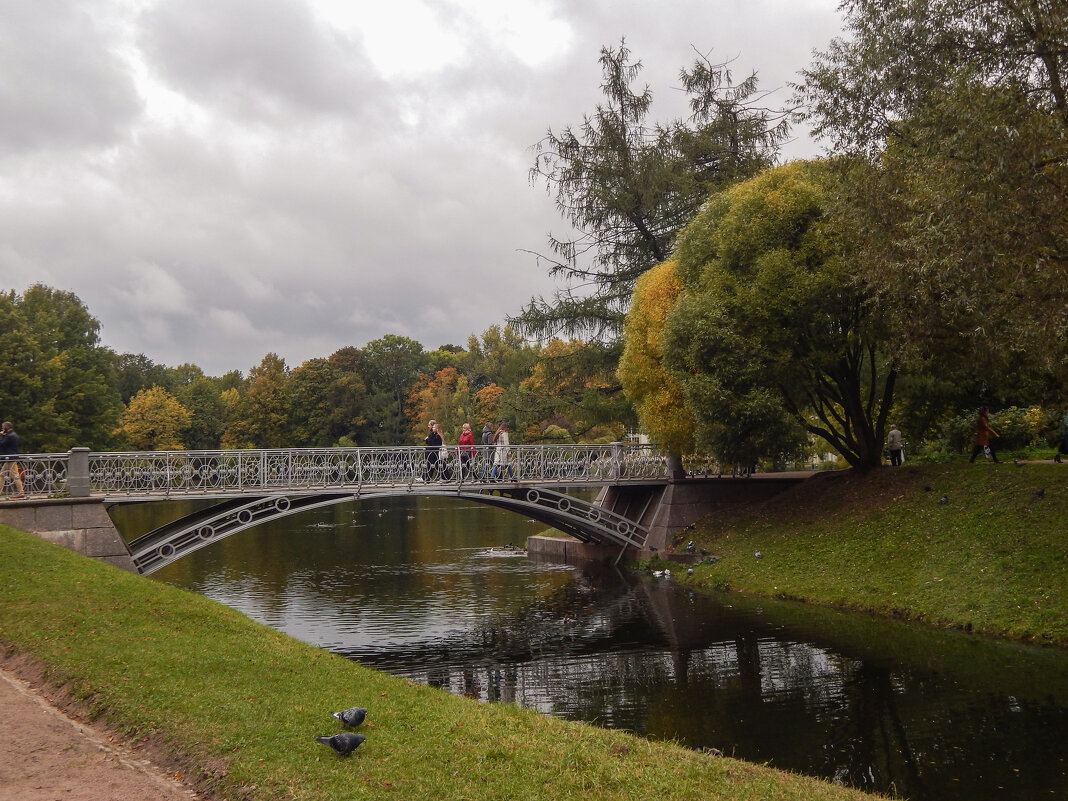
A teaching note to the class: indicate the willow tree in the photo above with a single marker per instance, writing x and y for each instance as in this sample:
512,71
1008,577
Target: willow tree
770,335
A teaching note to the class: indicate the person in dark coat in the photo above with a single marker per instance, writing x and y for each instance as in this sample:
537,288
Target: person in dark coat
487,450
433,446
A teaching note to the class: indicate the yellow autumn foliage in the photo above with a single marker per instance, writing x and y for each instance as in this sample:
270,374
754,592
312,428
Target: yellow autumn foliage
656,396
153,421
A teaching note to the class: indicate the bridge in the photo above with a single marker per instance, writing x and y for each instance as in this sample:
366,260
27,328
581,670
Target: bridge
638,507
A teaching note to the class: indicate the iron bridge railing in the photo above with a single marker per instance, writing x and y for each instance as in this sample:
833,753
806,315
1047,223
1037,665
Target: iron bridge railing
197,472
81,472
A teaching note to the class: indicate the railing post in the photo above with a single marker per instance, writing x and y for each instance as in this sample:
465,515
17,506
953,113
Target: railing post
675,470
78,473
617,460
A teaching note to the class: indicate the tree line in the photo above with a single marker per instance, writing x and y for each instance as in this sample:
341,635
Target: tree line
65,388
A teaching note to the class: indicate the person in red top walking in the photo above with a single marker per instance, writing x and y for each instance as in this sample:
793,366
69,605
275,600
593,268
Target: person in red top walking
983,432
466,444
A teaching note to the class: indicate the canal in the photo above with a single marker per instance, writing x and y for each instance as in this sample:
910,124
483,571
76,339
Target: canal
439,591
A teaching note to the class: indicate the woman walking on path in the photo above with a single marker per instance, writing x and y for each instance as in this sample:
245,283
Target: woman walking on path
983,431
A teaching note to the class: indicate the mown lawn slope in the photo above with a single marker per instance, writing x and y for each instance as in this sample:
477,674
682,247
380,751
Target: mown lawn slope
239,705
981,547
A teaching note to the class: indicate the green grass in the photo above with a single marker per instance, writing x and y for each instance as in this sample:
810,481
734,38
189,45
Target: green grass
993,558
239,705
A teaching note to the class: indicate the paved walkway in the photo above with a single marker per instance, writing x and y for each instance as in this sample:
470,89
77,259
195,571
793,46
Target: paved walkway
46,756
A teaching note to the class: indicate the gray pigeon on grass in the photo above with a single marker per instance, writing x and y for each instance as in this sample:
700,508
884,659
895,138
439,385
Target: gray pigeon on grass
351,717
344,743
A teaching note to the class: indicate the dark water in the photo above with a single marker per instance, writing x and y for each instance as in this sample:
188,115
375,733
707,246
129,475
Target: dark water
429,589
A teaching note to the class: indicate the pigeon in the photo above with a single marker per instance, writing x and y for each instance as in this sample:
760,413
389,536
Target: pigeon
689,571
351,717
758,555
344,743
943,500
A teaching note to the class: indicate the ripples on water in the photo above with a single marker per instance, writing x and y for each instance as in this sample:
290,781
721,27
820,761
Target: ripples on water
430,590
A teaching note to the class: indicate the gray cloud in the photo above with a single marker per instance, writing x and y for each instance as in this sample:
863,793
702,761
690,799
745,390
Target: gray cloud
61,83
217,180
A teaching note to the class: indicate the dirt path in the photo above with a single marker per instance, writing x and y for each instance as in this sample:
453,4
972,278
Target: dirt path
46,755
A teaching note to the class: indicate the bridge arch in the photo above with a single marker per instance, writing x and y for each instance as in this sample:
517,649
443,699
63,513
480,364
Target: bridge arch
583,520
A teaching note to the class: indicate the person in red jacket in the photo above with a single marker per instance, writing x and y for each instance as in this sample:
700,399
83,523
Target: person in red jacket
466,444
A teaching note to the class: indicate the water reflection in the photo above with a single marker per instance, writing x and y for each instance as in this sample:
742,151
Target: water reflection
428,590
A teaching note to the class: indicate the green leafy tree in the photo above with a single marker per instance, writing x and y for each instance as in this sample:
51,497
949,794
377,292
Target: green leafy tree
951,120
391,366
500,356
23,398
260,416
572,384
327,402
79,403
656,394
153,421
135,372
770,335
626,185
208,413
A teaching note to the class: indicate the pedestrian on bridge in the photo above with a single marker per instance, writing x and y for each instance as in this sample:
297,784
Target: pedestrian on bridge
487,450
9,448
466,446
433,446
502,453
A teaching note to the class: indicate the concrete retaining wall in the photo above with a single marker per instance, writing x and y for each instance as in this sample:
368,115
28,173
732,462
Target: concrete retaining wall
572,551
79,524
666,512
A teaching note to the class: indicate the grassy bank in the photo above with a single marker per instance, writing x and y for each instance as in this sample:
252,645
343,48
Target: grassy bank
241,704
982,547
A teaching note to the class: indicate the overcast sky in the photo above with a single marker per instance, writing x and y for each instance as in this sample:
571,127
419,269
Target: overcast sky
219,179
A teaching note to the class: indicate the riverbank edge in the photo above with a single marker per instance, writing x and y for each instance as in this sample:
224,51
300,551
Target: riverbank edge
234,706
978,548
